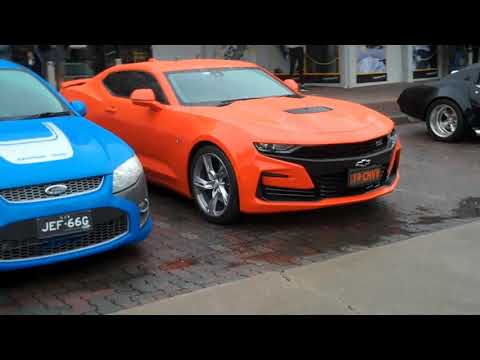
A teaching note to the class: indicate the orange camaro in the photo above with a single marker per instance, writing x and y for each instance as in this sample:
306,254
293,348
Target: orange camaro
237,139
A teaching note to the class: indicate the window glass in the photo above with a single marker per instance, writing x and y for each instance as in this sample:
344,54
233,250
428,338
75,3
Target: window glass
371,63
5,52
210,87
123,83
22,96
424,61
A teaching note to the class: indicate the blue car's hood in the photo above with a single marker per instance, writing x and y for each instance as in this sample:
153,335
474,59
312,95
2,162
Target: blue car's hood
56,149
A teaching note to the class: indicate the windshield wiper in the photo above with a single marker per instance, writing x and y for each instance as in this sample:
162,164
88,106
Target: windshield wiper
228,102
48,114
298,96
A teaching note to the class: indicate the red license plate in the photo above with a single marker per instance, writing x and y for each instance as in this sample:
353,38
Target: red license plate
364,177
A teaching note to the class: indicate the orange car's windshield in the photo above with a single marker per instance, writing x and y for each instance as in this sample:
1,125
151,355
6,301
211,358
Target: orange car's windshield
220,86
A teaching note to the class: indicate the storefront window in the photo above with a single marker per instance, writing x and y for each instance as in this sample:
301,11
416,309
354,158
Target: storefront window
425,63
322,64
457,55
83,61
79,62
371,63
5,52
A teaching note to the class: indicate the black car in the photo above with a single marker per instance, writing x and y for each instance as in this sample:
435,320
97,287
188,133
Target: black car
450,107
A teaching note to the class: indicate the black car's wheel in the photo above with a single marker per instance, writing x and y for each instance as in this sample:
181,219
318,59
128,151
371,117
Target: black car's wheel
445,121
214,185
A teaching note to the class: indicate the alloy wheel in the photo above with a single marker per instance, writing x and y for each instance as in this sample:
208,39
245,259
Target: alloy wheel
443,120
211,184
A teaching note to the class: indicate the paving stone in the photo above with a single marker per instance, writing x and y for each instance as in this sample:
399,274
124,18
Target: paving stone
123,300
104,306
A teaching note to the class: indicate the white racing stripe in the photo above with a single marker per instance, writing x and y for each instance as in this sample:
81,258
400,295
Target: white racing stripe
35,150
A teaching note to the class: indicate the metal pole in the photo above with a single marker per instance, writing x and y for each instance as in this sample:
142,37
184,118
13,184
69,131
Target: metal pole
118,57
51,73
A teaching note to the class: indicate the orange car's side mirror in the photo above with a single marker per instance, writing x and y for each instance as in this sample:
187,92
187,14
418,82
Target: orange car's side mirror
145,97
292,84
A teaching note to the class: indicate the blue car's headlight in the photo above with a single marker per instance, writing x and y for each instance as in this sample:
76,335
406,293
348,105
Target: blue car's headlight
127,174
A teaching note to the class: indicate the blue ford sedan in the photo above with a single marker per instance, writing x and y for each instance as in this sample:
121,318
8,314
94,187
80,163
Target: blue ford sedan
68,188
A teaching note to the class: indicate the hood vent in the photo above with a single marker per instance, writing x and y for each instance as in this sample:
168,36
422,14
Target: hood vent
309,110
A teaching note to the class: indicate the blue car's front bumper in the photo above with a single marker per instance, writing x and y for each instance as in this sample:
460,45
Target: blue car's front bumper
100,199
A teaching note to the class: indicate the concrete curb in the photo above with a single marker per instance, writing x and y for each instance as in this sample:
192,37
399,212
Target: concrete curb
392,110
435,273
402,119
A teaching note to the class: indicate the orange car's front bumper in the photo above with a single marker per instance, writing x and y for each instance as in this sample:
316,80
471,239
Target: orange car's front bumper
294,176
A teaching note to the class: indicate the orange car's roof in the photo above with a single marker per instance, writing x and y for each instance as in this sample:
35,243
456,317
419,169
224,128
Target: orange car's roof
179,65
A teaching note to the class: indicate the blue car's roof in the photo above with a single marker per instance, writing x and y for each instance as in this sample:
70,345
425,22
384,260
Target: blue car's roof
4,64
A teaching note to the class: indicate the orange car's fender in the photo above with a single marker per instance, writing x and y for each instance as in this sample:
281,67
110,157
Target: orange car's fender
233,153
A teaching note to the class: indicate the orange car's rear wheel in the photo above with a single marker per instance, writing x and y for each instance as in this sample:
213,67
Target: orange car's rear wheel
214,185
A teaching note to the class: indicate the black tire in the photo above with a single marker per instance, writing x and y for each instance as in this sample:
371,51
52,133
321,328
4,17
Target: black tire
231,213
459,132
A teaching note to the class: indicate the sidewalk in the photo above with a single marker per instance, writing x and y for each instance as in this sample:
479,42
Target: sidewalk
438,273
382,98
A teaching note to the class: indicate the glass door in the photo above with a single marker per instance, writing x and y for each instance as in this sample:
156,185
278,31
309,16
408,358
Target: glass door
322,64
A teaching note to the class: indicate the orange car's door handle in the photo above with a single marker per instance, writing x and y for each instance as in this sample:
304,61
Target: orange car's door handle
111,109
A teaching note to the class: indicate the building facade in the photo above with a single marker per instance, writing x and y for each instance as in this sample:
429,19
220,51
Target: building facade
341,65
59,63
327,65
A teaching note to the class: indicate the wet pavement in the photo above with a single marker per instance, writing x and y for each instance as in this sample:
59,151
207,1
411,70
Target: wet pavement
438,189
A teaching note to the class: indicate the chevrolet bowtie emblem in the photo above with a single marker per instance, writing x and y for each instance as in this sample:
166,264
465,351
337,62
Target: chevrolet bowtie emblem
363,163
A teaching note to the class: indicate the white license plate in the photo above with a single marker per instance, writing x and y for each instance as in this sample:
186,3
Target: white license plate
62,225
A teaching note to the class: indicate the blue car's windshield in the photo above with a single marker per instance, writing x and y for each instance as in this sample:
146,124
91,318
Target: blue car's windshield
224,85
22,96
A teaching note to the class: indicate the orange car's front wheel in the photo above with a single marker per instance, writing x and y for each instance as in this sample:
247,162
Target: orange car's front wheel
214,185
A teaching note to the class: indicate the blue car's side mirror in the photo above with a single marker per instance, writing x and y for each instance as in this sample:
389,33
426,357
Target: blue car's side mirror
79,107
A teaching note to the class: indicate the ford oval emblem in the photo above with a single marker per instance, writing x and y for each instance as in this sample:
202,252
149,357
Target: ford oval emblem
56,190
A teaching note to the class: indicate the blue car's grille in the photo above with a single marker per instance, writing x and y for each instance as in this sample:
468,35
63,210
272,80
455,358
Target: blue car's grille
110,224
38,192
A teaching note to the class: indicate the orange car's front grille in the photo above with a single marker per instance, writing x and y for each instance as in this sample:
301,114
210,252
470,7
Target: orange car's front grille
336,151
326,186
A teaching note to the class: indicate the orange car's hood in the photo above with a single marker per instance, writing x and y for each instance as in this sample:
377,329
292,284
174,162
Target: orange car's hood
267,120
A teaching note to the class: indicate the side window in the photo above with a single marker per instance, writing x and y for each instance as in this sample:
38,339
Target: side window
123,83
118,84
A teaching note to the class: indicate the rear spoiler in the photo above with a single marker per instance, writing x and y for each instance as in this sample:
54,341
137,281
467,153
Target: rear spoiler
67,84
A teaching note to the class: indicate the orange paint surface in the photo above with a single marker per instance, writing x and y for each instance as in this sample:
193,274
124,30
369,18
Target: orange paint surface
165,136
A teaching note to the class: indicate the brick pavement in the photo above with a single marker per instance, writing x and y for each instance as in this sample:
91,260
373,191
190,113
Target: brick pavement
173,261
184,253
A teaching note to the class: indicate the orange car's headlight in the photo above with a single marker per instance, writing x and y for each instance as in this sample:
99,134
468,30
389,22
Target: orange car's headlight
276,148
392,138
